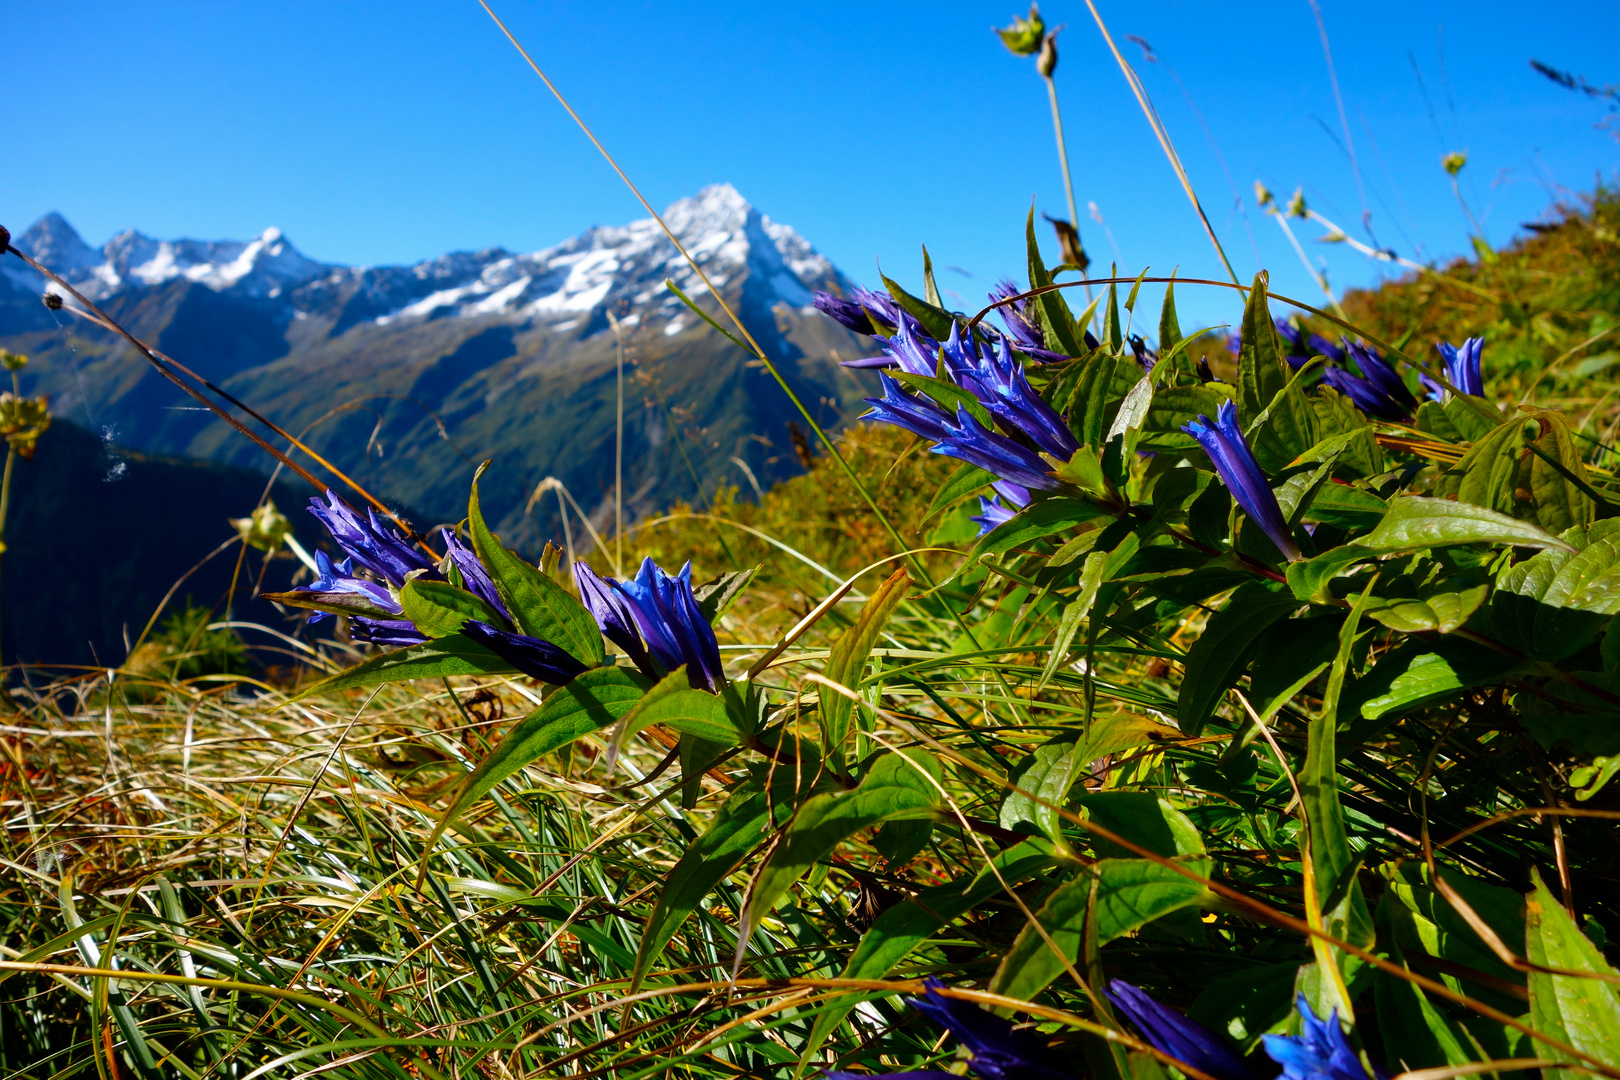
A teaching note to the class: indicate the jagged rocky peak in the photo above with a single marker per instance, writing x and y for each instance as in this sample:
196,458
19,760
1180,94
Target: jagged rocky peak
560,285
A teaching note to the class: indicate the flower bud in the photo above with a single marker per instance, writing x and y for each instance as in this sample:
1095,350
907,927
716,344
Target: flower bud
13,361
1453,162
1262,194
5,239
1025,36
266,529
1046,62
1296,205
52,301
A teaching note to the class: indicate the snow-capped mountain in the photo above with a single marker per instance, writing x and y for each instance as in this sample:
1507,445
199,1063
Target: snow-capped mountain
623,266
407,376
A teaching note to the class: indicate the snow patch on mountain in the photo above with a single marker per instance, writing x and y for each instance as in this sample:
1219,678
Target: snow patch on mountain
606,266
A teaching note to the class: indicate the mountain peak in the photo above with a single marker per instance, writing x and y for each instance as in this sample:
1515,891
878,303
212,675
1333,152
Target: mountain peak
52,241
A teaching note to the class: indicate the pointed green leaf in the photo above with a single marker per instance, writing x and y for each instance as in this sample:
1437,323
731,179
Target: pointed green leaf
964,481
1057,322
935,320
438,608
1265,385
1584,1012
456,655
930,289
538,605
1413,522
673,703
1122,894
847,660
1169,325
1218,658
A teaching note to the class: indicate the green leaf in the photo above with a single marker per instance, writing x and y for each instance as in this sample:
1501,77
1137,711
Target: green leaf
1583,1012
1087,407
1174,407
894,789
1337,415
1049,773
930,288
1074,613
1218,658
964,481
1169,325
1411,1027
1415,522
1042,519
903,927
1123,895
588,704
1441,605
538,605
1264,385
438,608
1559,485
740,825
456,655
936,321
673,703
1346,507
1344,909
1057,322
715,596
1419,673
1554,604
1488,473
1311,579
847,660
1145,820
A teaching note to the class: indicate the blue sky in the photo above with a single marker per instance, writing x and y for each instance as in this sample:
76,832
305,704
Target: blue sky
376,132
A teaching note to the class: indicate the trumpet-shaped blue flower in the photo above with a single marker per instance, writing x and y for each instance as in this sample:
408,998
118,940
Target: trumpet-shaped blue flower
1182,1038
673,626
1462,368
1320,1053
473,574
999,1051
1302,346
993,511
1224,443
974,443
394,633
1145,356
1378,390
535,657
340,578
613,612
855,313
1024,332
370,543
1002,389
913,412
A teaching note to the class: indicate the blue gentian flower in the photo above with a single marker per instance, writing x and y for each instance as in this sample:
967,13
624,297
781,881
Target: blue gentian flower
974,443
673,626
535,657
1023,332
1182,1038
1224,443
993,512
999,1051
1462,368
1378,391
473,574
856,312
370,543
913,412
341,578
613,612
1001,388
1320,1053
1145,356
1302,347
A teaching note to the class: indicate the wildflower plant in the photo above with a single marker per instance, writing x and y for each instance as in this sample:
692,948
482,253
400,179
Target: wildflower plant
1234,740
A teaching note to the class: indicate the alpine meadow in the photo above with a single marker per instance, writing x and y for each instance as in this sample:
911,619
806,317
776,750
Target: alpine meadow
660,655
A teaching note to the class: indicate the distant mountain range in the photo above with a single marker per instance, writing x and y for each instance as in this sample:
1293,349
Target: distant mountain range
408,376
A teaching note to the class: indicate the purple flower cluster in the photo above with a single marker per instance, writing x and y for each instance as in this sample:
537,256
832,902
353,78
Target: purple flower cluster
1378,391
1303,346
1027,425
654,617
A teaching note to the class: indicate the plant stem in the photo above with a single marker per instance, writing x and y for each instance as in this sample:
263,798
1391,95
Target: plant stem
1063,160
5,506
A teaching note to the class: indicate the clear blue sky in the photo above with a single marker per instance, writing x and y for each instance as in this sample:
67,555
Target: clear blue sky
377,132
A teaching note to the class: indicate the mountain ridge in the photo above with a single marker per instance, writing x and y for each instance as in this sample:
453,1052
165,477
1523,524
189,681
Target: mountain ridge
406,376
